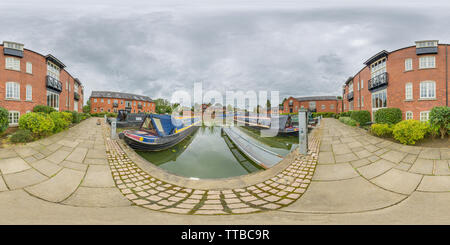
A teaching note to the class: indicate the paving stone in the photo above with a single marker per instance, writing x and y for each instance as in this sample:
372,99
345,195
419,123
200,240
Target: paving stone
430,153
373,158
335,172
77,155
244,210
441,167
346,157
94,153
177,210
403,166
58,156
210,212
341,149
7,153
398,181
74,165
435,184
326,158
363,153
271,206
360,162
410,158
25,151
371,148
46,167
13,165
59,187
95,161
23,179
98,176
394,156
445,154
376,168
97,197
422,166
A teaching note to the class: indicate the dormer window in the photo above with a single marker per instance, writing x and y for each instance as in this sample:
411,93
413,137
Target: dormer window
426,44
427,47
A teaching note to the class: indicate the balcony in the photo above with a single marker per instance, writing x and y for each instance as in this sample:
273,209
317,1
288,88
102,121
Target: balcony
115,104
139,106
350,96
54,84
76,96
13,52
427,50
379,81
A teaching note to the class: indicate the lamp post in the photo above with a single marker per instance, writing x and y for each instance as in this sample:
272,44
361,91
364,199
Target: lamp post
113,128
303,131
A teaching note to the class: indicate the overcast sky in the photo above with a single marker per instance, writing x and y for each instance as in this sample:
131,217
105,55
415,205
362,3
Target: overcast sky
300,48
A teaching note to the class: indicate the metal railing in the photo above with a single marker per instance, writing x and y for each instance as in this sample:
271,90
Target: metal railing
53,83
378,81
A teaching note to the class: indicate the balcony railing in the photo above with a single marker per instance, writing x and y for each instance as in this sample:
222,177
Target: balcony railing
350,96
378,81
54,84
76,96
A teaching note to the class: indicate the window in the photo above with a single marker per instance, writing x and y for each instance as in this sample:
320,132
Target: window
53,100
425,44
101,109
12,63
427,62
378,67
95,100
13,90
350,107
116,101
312,105
408,115
29,68
75,105
13,117
409,91
428,90
362,84
127,103
29,95
379,99
331,107
95,109
350,87
102,100
109,101
408,64
362,100
424,116
357,85
358,102
75,87
13,45
323,107
53,70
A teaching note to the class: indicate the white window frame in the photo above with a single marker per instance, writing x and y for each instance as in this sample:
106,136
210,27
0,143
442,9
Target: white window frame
54,97
428,90
29,93
53,70
15,93
29,68
109,101
101,100
378,67
427,62
408,64
362,100
95,100
362,84
422,116
331,107
15,122
409,91
12,63
324,107
75,105
408,115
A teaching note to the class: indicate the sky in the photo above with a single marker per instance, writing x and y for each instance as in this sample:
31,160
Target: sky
153,48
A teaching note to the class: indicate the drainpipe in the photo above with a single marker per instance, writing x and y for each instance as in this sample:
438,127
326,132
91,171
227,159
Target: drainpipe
446,76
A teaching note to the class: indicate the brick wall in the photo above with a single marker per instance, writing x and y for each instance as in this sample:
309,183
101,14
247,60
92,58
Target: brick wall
96,107
329,105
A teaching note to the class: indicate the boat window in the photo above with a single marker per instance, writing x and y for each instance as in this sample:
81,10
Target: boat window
159,125
147,125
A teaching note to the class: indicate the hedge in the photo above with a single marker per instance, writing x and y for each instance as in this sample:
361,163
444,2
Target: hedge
44,109
362,117
3,119
323,114
382,130
388,115
410,131
61,121
348,121
40,124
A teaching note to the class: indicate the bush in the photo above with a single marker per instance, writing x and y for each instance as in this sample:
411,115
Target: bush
348,121
410,131
440,119
61,122
362,117
76,117
21,136
323,114
67,116
382,130
40,124
388,115
3,119
44,109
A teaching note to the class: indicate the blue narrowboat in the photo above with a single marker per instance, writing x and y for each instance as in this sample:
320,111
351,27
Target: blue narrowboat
159,132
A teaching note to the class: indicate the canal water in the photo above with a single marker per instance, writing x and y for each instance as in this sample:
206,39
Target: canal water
206,154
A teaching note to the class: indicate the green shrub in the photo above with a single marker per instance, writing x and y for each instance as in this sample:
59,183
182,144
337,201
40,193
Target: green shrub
382,130
362,117
40,124
348,121
440,119
61,122
323,114
76,117
388,115
67,116
409,131
44,109
21,136
3,119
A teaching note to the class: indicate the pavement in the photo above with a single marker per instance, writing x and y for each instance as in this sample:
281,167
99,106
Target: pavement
81,176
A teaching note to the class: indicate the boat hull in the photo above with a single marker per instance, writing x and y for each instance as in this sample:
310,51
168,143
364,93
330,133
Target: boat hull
164,142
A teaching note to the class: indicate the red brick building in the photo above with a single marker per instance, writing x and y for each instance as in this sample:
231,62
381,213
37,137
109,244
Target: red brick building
313,103
28,78
105,101
414,79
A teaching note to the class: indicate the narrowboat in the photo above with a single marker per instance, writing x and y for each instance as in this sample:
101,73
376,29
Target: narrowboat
159,132
125,119
285,123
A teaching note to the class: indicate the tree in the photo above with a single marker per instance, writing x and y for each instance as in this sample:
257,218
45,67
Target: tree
268,104
440,118
87,107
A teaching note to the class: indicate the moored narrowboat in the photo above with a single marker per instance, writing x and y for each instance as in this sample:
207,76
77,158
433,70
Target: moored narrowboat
159,132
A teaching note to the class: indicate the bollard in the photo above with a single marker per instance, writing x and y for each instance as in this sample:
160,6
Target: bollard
318,120
106,119
113,128
303,131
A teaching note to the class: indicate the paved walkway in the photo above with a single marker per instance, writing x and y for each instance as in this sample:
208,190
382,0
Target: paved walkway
81,177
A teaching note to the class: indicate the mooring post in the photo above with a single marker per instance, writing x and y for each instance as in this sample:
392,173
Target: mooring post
303,131
113,128
106,120
319,118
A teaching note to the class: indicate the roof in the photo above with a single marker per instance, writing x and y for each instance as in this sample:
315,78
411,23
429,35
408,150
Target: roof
376,57
119,95
310,98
